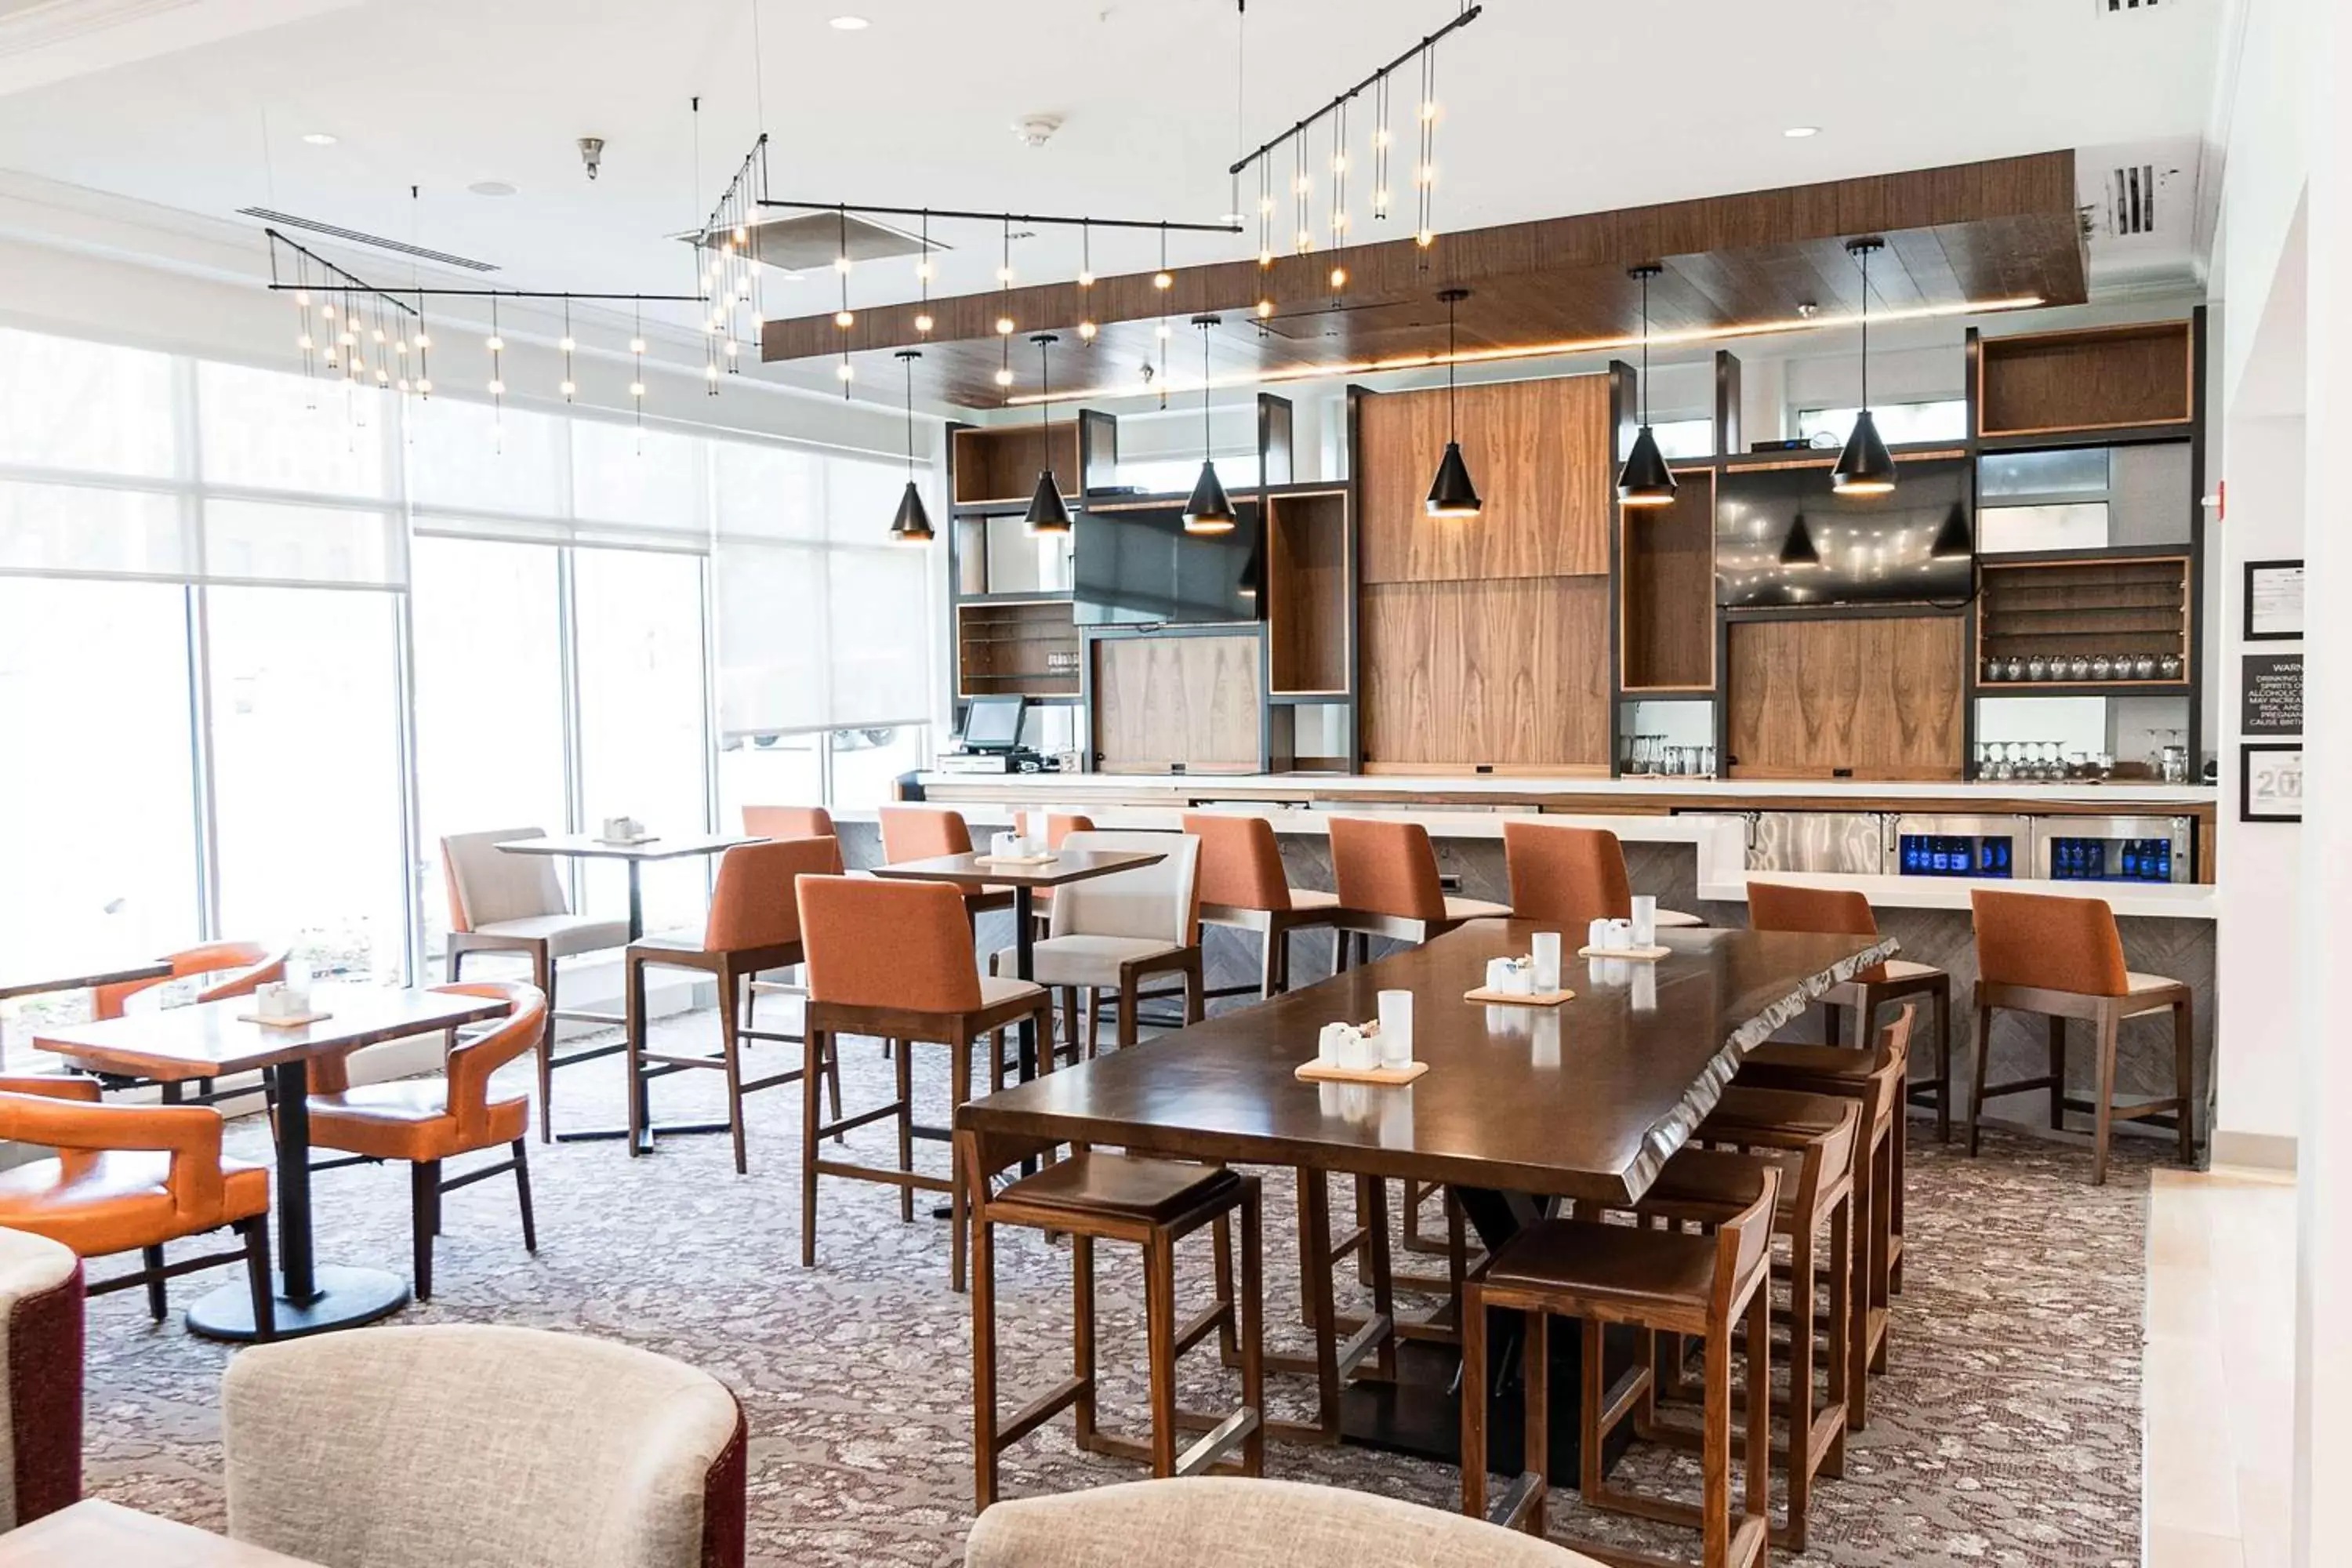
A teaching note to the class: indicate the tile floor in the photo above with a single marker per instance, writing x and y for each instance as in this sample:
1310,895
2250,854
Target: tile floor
2219,1368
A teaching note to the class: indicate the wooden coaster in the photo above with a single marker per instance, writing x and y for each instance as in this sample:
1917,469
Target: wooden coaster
1631,954
1316,1072
300,1021
1522,999
1015,859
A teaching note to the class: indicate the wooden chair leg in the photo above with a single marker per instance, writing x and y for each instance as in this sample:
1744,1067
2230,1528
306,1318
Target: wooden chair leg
1758,1467
257,1282
1841,1327
522,1193
1160,1339
151,1259
984,1352
2057,1072
1715,1450
1126,1023
903,1060
424,1217
542,974
730,1056
1801,1406
1252,1311
1534,1377
1269,965
1082,1335
2184,1077
1980,1044
812,1056
2102,1125
1196,1001
1070,1020
1474,1404
959,1198
1094,1021
634,1007
1942,998
1220,1241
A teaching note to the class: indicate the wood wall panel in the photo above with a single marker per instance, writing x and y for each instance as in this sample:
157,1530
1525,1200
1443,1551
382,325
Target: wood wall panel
1502,674
1538,452
1667,566
1879,696
2101,377
1162,700
1307,593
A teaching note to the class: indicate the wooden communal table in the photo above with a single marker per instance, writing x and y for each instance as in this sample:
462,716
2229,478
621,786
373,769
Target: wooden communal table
208,1040
1520,1107
94,1535
30,984
588,847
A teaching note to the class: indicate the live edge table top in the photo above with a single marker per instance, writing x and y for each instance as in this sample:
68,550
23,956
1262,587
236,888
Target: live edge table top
1585,1099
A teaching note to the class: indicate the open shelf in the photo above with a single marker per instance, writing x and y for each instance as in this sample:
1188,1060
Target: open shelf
2103,378
1016,649
1306,588
1666,587
999,466
2092,606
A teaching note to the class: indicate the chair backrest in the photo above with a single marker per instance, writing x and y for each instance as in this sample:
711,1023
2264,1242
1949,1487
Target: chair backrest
1386,867
1742,1243
788,822
66,1114
238,968
1159,902
1060,826
873,942
41,1386
1570,876
922,833
471,1062
488,885
469,1443
1226,1521
753,903
2049,943
1241,863
1776,906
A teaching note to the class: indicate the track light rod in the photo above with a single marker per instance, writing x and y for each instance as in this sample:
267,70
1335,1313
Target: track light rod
1004,218
1464,19
351,284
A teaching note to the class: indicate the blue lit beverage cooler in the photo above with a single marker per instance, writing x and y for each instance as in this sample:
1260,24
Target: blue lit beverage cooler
2113,848
1959,846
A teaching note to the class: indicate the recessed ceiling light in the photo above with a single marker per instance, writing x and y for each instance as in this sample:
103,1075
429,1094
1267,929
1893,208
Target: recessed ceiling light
850,23
1801,131
319,138
491,188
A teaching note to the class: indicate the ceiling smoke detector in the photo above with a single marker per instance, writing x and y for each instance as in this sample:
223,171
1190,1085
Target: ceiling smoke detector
592,154
1036,129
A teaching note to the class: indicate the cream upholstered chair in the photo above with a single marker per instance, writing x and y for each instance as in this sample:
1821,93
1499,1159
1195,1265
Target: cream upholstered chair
40,1395
468,1445
1217,1522
1112,931
514,903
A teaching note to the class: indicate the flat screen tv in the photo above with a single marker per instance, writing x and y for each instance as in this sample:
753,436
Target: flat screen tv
1864,549
1140,568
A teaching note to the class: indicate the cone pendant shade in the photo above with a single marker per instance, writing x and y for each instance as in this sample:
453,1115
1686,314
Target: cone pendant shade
1209,510
1866,467
1952,542
1798,550
913,523
1048,513
1451,494
1645,480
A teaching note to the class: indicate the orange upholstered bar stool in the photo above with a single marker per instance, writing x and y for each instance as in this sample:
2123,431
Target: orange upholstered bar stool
2063,958
1387,874
133,1176
1772,906
227,968
788,822
427,1120
753,924
1571,875
894,960
1243,886
927,832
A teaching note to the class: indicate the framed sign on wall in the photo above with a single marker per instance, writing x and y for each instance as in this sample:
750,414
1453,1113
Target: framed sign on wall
2273,601
2270,784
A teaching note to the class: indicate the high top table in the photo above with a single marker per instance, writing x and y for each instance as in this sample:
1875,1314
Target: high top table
1521,1107
208,1040
588,847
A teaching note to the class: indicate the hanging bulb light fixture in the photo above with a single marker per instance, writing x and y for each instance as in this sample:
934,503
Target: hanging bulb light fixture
1048,513
1866,467
1209,510
1645,480
913,523
1451,494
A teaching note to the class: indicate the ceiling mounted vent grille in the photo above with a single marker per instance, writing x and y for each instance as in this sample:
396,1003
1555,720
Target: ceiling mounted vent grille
2118,7
374,241
2132,200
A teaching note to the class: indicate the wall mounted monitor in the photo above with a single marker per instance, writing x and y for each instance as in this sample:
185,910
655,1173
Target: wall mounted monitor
1864,549
1140,568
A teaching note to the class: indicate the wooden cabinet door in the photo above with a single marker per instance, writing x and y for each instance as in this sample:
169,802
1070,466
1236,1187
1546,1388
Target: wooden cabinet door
1163,700
1865,697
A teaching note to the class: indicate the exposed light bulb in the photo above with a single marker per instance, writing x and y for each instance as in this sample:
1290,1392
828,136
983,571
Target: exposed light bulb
923,323
1338,222
1265,308
742,236
1338,162
1424,173
1265,258
1087,331
1003,326
1004,275
1266,204
424,386
636,389
301,296
497,389
327,310
422,341
494,343
347,338
379,334
636,345
710,373
923,271
844,319
1381,138
1004,378
1425,239
1429,109
1381,197
383,378
1303,184
1338,278
401,386
1160,332
732,346
1305,240
841,264
304,343
568,389
1162,280
567,345
1086,279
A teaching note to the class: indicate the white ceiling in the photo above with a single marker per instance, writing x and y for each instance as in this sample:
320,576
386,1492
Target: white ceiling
1550,106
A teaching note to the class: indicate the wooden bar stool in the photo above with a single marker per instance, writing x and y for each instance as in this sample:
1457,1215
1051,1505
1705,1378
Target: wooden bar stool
1244,887
1571,875
928,832
1814,1140
753,925
1342,1342
1876,1081
1154,1204
2063,958
893,959
1774,907
1659,1282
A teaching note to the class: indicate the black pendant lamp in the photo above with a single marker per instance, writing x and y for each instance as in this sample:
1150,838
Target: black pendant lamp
1209,510
1048,513
1866,467
1451,494
1952,540
913,523
1645,480
1797,550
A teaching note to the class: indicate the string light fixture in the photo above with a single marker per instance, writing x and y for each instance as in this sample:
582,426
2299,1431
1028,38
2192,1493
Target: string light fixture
1866,467
1049,512
1087,280
923,277
1004,323
1209,510
913,523
1645,480
570,388
844,318
1451,493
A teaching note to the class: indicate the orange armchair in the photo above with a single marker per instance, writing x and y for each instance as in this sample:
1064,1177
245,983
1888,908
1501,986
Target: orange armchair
427,1120
237,968
133,1176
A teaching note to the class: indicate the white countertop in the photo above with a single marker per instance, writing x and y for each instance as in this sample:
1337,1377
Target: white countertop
1686,793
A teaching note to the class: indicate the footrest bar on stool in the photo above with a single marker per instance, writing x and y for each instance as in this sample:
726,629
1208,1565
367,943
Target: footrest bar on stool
1510,1509
1214,1444
1364,1341
673,1130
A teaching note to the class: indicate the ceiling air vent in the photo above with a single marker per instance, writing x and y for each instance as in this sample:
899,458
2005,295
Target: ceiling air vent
2117,8
2132,199
354,237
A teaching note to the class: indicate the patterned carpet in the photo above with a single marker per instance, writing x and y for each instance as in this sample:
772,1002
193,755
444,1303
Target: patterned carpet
2006,1433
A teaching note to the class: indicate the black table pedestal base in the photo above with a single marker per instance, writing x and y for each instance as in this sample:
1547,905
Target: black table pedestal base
1420,1414
345,1298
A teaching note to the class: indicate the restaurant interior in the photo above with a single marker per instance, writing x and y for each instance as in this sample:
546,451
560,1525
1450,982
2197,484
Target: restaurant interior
1543,728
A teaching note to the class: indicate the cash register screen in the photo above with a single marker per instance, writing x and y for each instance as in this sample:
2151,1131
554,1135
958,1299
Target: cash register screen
992,724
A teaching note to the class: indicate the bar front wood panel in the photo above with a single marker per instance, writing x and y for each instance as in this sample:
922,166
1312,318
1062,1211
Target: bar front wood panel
2102,378
1865,697
1160,702
1504,675
1666,639
1307,592
1538,452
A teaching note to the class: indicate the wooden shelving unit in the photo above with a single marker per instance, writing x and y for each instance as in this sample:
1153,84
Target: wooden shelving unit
1306,588
2102,378
997,466
1017,649
1666,587
2091,604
